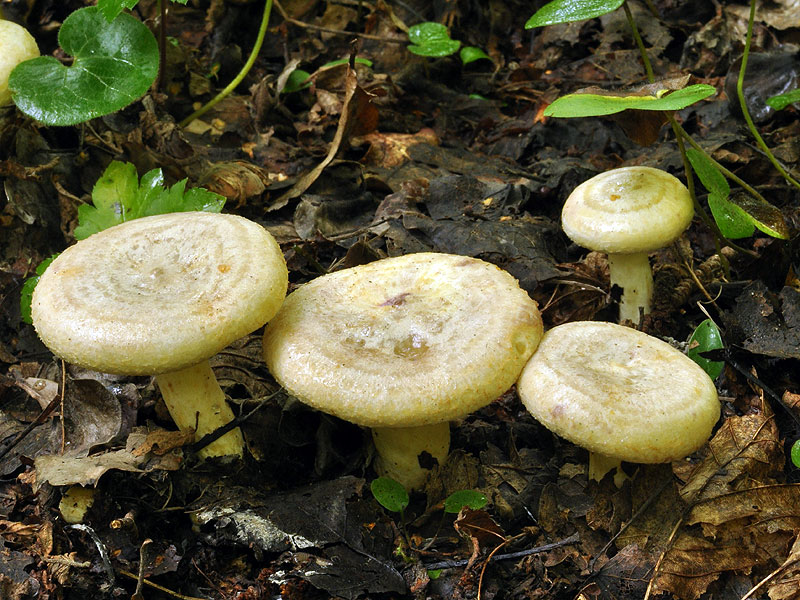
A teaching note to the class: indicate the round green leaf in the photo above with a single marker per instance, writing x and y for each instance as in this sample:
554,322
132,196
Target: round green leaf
431,39
706,337
115,63
764,215
298,80
469,498
389,494
471,54
796,453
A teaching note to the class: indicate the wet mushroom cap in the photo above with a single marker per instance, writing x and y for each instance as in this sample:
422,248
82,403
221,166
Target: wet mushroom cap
619,392
405,341
158,294
627,210
16,46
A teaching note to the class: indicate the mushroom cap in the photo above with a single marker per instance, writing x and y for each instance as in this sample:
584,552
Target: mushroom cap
627,210
159,294
619,392
16,46
405,341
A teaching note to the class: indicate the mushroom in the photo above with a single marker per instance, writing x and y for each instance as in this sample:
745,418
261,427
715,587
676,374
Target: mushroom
627,213
16,46
620,393
403,345
159,296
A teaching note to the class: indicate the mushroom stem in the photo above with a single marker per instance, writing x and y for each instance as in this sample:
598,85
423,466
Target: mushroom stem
399,449
195,401
600,464
632,273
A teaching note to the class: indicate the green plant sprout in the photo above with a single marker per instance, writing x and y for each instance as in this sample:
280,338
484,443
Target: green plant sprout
301,80
738,215
795,453
120,196
433,40
781,101
114,64
704,338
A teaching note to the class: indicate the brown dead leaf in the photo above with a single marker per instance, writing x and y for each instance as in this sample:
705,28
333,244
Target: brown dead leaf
774,508
161,441
389,150
479,526
786,586
745,451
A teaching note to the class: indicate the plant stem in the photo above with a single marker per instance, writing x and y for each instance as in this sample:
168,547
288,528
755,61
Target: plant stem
743,104
639,42
262,30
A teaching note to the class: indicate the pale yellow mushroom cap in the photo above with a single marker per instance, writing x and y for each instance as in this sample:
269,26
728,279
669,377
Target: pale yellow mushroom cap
160,293
627,210
16,46
619,392
406,341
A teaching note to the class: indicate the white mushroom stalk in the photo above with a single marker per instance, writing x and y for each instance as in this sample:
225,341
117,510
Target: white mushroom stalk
628,213
159,296
620,393
404,345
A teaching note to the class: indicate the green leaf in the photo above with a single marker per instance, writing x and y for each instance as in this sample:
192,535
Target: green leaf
111,8
567,11
710,176
781,101
469,498
732,221
706,337
114,64
341,61
796,453
764,215
389,494
297,80
119,196
27,289
431,39
595,105
434,573
471,54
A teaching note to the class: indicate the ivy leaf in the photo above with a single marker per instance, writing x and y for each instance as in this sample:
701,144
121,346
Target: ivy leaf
389,494
595,105
706,337
114,64
119,196
567,11
28,287
431,39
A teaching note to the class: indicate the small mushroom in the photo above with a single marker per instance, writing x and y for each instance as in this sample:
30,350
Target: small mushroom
16,46
159,296
403,345
628,213
619,393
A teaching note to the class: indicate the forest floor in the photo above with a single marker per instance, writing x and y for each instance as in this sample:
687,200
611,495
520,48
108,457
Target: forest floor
419,154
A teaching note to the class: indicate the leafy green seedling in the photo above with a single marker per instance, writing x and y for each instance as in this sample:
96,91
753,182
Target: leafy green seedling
114,65
470,54
739,215
119,196
27,289
568,11
469,498
595,105
341,61
706,337
795,453
431,39
389,494
781,101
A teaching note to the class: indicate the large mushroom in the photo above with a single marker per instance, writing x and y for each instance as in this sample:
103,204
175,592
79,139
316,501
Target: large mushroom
159,296
628,213
403,345
619,393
